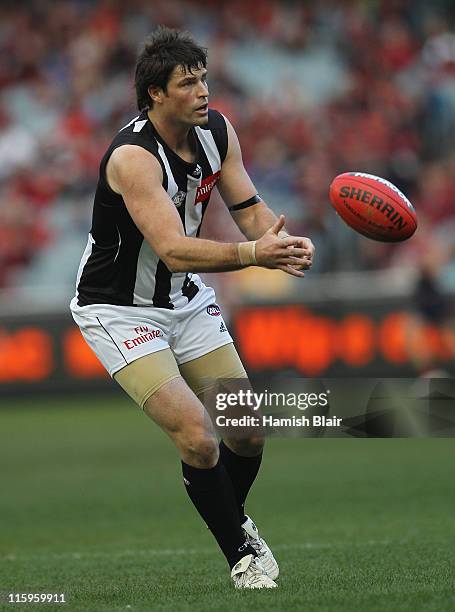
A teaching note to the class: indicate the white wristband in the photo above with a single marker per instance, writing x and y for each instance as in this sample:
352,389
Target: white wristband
247,253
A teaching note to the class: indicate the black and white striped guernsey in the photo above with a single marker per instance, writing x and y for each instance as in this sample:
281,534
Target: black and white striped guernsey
118,265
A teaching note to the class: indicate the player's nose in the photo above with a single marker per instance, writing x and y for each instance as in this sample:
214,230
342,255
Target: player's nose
203,90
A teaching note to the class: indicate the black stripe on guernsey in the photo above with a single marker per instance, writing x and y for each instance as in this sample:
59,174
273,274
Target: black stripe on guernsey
161,298
254,200
128,257
117,346
219,131
109,276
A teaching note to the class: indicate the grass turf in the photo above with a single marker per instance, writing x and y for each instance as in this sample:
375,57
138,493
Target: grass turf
92,506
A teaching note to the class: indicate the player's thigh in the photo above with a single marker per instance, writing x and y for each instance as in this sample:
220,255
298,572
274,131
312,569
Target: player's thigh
176,409
145,376
222,370
155,383
202,373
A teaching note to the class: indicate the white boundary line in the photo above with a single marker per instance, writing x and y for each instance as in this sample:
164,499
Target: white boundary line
169,552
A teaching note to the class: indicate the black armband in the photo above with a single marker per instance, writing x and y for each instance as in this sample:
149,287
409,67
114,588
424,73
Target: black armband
254,200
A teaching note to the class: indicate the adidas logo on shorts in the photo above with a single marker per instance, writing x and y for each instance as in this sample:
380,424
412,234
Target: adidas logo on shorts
223,327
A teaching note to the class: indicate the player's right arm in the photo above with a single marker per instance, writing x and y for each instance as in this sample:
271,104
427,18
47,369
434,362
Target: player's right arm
136,175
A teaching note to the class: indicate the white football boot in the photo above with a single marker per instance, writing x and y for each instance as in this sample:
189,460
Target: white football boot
264,553
248,573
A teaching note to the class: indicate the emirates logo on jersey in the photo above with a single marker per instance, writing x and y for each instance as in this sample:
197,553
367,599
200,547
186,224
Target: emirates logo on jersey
203,192
179,198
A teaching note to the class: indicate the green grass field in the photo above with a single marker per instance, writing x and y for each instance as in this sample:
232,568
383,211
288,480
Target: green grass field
92,505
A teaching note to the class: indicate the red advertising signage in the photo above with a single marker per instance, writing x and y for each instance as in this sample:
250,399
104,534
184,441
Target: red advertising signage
381,339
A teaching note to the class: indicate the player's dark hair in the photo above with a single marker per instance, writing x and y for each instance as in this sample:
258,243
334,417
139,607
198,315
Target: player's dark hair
163,50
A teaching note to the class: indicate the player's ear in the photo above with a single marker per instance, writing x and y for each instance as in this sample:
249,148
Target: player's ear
156,94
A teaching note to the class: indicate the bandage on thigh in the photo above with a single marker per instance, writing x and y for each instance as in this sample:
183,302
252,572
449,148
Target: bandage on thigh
202,373
141,378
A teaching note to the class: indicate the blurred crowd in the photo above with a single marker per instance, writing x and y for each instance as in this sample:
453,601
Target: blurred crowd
313,89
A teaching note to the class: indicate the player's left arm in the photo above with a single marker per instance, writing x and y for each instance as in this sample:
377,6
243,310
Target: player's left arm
250,213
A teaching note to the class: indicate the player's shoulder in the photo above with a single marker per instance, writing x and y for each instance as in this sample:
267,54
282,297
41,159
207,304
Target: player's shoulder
217,125
217,121
136,131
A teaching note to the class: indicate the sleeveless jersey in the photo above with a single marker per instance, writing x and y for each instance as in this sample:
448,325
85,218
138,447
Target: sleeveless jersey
118,265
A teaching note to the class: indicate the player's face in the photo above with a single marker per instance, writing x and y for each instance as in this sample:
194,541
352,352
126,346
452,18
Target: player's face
187,96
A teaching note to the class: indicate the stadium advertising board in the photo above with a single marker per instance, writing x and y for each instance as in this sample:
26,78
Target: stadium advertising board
378,339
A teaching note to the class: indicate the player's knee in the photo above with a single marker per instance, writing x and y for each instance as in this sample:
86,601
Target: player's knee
247,447
201,451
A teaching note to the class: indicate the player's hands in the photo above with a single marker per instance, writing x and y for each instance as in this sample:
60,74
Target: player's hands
292,254
309,248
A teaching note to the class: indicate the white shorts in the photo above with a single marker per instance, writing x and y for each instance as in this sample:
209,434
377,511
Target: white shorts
119,335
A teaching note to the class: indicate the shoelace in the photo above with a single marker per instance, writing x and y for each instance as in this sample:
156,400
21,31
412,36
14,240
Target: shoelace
253,574
256,544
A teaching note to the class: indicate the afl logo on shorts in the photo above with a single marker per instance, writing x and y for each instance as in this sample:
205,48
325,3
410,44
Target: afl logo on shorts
214,310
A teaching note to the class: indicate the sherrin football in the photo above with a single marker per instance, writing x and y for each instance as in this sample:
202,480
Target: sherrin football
373,206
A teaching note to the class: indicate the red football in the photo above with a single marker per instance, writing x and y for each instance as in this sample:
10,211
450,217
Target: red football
373,206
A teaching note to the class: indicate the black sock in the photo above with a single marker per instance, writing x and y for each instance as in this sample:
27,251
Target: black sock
212,493
242,472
